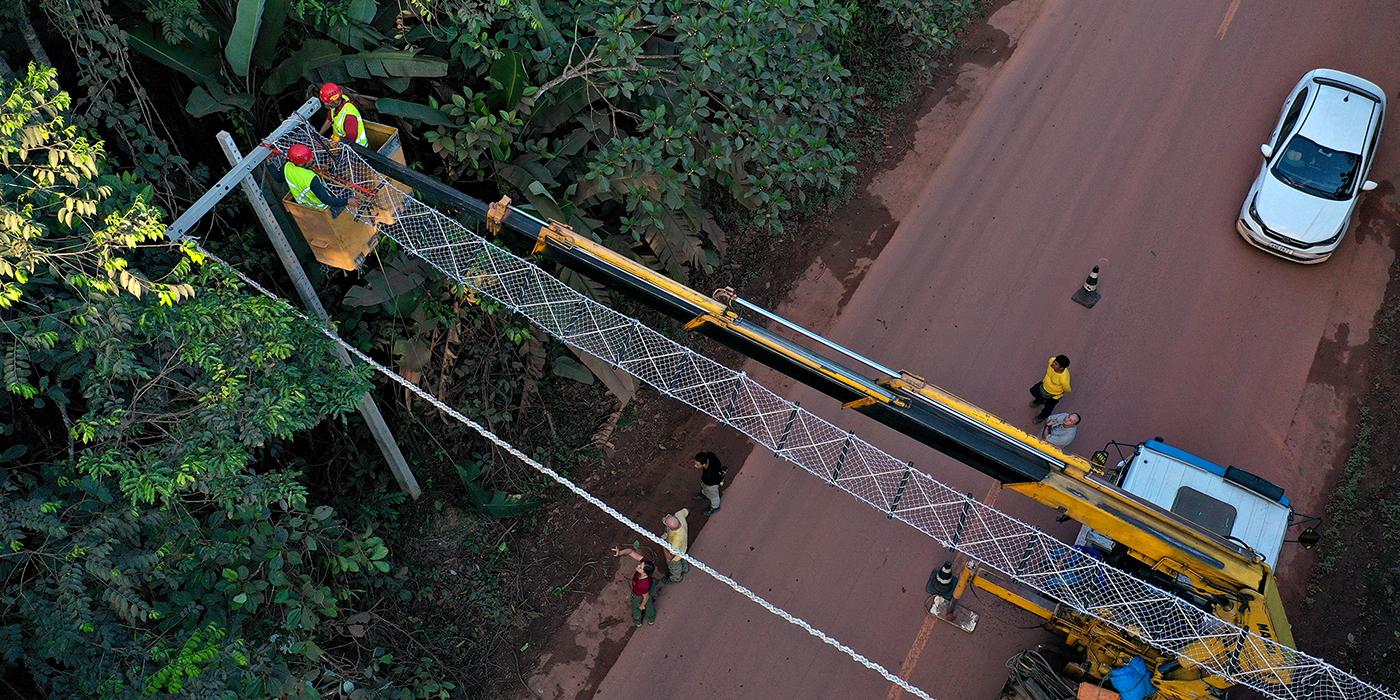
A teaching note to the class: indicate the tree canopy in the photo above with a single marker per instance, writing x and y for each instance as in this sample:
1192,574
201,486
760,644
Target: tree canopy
153,538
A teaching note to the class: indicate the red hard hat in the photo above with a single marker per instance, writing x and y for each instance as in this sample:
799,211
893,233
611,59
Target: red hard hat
330,92
299,154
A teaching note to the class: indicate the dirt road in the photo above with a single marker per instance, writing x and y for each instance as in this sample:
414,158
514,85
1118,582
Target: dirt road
1118,131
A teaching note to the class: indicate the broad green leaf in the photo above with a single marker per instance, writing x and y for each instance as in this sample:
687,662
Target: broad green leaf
413,354
239,49
569,368
202,102
13,452
389,63
619,383
504,505
413,111
313,55
548,33
508,72
559,106
274,19
198,61
362,11
468,472
320,60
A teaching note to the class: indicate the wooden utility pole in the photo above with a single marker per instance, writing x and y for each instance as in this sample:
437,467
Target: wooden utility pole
368,408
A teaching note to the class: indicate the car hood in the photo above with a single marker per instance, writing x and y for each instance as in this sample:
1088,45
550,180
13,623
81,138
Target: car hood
1299,215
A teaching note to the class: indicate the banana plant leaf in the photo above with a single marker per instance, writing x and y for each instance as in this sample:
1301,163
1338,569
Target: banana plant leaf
497,504
508,72
320,60
547,31
198,60
312,55
274,20
559,106
204,102
247,22
356,32
413,111
394,64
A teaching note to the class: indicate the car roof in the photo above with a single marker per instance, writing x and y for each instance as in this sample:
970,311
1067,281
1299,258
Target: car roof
1339,119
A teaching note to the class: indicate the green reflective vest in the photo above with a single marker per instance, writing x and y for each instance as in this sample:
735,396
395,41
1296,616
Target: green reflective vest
299,182
348,108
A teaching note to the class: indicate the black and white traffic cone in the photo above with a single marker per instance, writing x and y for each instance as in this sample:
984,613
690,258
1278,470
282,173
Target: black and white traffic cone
1088,295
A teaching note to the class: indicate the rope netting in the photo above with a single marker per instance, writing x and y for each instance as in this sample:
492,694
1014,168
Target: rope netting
514,451
956,520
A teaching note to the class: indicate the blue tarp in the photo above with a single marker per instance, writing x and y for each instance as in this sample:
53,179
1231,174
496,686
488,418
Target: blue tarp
1132,681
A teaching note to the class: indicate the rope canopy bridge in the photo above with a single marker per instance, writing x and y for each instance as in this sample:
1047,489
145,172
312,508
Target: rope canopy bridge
837,456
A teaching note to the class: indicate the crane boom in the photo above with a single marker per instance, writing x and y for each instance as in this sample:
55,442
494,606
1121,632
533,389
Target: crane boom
1063,481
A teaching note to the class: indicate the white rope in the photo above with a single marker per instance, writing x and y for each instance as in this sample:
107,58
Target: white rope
577,490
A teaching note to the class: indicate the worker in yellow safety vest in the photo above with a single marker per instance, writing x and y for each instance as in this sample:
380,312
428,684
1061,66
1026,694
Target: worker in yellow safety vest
307,187
343,116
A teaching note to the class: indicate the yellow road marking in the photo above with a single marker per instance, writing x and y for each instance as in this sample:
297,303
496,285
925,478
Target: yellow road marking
1229,17
911,658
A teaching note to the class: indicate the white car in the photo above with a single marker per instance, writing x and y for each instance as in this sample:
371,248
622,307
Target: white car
1315,167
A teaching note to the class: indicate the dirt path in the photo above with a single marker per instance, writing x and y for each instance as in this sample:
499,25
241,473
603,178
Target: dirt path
1118,131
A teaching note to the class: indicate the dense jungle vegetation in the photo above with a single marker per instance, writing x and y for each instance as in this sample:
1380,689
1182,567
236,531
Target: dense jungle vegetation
189,504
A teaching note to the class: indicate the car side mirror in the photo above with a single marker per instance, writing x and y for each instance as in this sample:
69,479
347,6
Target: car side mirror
1368,185
1267,150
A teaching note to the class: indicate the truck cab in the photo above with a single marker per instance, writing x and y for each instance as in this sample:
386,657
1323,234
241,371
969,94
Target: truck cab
1229,502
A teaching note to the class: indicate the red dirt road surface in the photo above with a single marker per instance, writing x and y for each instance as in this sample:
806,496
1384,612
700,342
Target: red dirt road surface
1127,131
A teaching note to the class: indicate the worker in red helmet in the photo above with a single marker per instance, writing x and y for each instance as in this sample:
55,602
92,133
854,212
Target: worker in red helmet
307,187
342,115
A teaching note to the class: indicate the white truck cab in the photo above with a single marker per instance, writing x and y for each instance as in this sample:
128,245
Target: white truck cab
1229,502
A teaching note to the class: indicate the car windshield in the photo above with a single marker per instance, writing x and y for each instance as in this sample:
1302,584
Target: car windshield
1316,169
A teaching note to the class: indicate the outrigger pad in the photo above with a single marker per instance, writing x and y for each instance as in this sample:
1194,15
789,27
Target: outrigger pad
962,617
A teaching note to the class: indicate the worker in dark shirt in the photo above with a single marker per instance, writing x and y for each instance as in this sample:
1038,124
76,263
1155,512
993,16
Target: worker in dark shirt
711,478
307,188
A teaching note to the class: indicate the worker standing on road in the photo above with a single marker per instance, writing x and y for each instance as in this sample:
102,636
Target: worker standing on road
343,116
711,478
1048,391
1060,429
307,187
678,535
641,604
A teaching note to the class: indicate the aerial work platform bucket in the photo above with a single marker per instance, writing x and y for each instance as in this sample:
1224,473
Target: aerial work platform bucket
341,241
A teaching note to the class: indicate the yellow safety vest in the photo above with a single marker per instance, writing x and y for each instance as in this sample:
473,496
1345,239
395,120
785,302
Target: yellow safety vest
299,182
338,116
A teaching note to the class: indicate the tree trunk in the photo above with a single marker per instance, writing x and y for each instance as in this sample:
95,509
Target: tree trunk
31,38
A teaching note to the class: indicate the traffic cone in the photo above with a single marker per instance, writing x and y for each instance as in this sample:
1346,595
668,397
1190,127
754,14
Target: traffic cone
1088,295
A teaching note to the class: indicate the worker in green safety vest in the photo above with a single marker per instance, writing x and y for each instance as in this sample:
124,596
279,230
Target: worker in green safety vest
307,188
343,116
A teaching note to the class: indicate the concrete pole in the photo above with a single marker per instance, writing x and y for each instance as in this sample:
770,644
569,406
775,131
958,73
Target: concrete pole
368,408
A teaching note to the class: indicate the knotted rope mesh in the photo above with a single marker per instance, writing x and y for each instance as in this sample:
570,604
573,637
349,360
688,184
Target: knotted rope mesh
958,521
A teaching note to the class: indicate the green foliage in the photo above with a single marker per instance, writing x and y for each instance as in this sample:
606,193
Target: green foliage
239,49
624,115
930,27
154,543
115,100
492,502
320,60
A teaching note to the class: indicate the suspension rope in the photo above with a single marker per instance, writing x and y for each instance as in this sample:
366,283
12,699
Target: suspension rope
571,486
